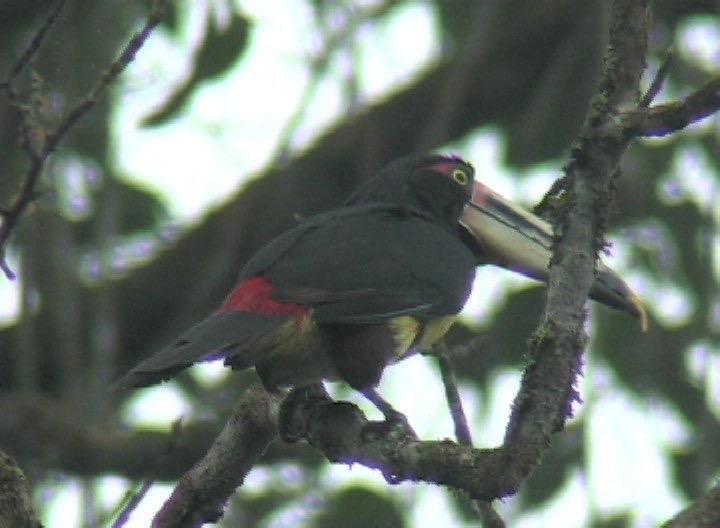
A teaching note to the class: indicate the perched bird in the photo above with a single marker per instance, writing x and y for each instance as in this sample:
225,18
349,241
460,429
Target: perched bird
350,291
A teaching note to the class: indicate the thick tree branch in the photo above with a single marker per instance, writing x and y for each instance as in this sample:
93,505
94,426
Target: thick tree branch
547,392
16,508
202,492
344,435
704,512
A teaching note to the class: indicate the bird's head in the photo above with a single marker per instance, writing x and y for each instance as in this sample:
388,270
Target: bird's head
495,230
438,185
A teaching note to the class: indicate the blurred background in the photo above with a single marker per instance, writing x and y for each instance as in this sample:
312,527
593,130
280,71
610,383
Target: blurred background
238,118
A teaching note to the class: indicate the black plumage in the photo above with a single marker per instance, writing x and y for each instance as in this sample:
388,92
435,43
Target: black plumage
347,292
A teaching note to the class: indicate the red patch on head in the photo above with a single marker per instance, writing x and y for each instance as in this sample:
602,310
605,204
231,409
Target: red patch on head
255,295
444,167
446,164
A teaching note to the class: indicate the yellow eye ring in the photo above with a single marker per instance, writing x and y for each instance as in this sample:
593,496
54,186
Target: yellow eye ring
460,176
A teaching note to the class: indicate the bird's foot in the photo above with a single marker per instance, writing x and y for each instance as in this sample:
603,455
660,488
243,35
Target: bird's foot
395,424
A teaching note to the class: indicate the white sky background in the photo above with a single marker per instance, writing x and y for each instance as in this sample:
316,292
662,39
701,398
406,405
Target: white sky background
226,136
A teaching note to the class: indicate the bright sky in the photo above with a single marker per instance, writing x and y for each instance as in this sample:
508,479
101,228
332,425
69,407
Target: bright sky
227,135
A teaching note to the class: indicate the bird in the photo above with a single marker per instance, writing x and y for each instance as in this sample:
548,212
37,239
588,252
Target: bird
348,292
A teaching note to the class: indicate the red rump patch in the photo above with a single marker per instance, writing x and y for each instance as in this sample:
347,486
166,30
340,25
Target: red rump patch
255,295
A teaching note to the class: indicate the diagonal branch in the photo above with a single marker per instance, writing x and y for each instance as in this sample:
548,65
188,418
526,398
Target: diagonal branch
34,45
545,399
657,82
28,187
547,393
488,516
134,499
668,118
704,512
202,492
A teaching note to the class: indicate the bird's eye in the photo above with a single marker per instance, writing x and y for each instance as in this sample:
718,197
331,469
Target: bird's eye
460,176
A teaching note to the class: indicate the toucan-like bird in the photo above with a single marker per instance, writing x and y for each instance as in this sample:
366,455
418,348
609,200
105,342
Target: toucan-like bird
350,291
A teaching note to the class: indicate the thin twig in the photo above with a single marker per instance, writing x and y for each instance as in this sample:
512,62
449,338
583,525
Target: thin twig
34,45
449,379
658,81
27,191
484,509
137,497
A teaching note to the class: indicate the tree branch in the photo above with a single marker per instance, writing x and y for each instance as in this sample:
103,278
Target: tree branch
16,507
668,118
704,512
134,499
547,393
201,494
489,517
34,46
43,429
342,433
28,187
658,80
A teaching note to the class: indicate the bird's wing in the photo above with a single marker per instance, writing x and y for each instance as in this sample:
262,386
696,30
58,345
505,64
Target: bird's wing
361,266
367,265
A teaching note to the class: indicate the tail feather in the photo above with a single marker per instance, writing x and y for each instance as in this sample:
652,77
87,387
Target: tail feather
212,338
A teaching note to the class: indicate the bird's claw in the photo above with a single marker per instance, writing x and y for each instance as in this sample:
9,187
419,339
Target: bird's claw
395,425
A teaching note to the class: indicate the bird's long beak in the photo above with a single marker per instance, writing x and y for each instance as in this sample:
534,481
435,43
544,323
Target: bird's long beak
506,235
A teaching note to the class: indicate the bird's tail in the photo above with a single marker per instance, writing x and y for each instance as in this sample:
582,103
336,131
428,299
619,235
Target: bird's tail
215,337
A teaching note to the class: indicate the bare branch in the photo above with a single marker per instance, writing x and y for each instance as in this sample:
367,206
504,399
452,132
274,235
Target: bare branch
16,507
489,517
547,393
342,433
658,81
50,142
202,492
34,45
452,395
668,118
137,497
704,512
